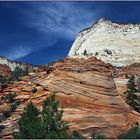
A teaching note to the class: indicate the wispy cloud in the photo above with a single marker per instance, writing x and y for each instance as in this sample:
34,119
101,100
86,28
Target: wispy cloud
46,22
62,19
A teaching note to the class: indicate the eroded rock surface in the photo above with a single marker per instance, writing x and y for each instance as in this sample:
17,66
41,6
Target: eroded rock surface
115,43
122,75
5,70
86,91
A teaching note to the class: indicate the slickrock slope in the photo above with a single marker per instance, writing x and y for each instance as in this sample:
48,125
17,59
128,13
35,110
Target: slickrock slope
118,44
86,91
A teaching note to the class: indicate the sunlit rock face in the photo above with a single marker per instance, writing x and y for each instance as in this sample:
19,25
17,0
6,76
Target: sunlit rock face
13,64
118,44
85,90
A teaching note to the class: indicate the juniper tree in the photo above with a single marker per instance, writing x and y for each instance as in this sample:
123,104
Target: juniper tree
30,126
85,52
132,98
133,133
45,124
54,126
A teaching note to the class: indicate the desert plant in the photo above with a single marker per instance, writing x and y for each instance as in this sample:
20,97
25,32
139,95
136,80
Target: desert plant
30,125
1,127
131,97
133,133
97,136
54,126
96,53
10,97
13,107
85,52
7,114
18,72
3,79
76,135
47,124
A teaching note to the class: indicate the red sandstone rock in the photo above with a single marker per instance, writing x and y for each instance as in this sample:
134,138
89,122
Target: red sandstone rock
5,70
87,93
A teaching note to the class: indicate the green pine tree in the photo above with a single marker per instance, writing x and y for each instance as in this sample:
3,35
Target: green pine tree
30,126
132,98
85,52
46,124
54,126
133,133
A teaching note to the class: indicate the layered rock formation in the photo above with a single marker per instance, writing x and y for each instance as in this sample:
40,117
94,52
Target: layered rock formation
86,91
115,43
4,70
122,75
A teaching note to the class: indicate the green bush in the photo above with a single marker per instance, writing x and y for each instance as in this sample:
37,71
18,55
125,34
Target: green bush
7,114
13,107
10,97
85,52
47,68
18,72
96,53
1,127
3,79
95,136
76,135
54,126
133,133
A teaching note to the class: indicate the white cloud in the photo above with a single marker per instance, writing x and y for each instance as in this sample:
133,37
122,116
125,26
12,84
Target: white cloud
62,19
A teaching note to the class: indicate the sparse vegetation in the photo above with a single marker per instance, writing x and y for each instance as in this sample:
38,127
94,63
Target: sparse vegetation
10,97
133,133
15,76
7,114
47,68
76,135
54,126
18,72
30,125
85,52
131,97
95,136
96,53
108,51
1,127
13,107
3,80
45,124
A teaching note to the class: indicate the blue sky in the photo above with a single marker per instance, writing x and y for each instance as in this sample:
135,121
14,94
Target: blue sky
41,32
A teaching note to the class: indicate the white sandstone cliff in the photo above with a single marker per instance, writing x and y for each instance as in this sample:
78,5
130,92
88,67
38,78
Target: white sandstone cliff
118,44
13,64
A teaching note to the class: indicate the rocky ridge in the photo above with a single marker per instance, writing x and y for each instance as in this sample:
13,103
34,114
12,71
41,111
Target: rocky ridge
13,64
114,43
86,91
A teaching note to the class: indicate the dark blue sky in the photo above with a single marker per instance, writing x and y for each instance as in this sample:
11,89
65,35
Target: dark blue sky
41,32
